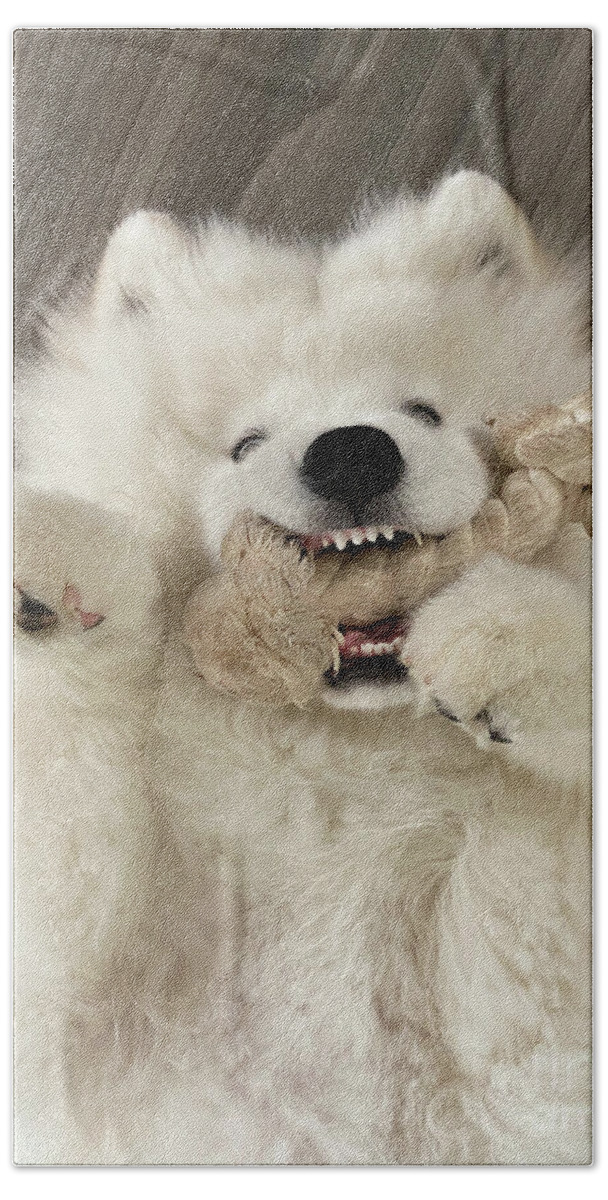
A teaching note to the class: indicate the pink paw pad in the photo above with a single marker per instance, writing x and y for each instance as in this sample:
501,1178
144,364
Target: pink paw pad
72,602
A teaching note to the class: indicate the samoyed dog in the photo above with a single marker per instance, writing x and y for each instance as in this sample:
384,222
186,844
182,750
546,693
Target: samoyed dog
352,934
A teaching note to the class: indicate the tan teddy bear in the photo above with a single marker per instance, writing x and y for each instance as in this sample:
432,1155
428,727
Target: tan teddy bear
267,627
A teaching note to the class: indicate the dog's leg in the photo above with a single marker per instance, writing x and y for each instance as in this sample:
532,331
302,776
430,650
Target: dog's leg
513,980
505,653
85,835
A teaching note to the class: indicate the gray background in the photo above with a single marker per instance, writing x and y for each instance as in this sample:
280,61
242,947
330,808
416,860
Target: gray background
289,129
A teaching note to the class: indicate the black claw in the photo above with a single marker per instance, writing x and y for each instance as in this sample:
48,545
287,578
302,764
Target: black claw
494,734
497,736
445,712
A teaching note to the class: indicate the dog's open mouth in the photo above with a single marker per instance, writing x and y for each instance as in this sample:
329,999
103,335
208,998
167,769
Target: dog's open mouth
353,540
369,654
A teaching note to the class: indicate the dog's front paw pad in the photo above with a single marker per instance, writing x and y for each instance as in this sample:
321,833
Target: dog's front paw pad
72,603
32,615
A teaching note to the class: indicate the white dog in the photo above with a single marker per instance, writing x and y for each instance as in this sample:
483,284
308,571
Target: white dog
357,934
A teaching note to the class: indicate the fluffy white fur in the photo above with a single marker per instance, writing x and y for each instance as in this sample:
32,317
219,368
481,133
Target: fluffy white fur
251,936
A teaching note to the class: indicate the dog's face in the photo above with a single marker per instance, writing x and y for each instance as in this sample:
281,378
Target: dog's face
344,394
329,463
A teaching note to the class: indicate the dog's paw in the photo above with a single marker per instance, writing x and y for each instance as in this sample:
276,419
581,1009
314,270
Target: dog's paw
34,616
57,559
501,653
78,569
489,725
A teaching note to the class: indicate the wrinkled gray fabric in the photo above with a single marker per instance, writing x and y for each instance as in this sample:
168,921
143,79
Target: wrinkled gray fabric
288,129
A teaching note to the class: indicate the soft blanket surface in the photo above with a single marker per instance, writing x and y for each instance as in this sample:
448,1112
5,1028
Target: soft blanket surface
284,129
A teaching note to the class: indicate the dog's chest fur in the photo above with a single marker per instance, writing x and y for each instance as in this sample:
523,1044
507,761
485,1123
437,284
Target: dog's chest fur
329,879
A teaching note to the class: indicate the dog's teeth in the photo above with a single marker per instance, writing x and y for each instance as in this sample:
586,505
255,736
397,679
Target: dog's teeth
340,540
339,637
358,536
335,655
326,542
417,536
371,534
368,648
388,532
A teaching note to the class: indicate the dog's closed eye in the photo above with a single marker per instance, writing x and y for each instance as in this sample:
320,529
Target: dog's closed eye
422,411
246,443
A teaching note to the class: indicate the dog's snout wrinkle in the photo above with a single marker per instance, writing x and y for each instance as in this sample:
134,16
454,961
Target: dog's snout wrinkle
352,465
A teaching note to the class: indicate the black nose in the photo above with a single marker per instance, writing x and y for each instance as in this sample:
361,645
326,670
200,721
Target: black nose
352,465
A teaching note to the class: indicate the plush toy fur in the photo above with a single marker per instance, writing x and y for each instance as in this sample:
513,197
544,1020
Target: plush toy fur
267,627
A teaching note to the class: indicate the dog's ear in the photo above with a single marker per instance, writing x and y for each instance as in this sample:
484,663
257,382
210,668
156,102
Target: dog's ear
140,264
467,226
472,225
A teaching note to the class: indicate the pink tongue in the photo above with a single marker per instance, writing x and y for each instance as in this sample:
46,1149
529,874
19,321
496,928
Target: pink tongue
380,631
